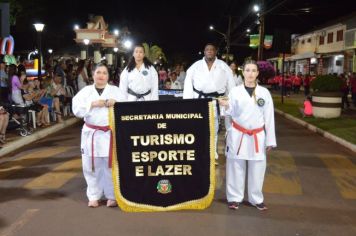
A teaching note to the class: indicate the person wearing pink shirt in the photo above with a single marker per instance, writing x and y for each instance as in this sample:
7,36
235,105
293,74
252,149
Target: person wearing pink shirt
308,107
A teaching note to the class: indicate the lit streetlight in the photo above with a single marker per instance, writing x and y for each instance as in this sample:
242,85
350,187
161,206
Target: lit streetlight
256,8
116,49
39,28
226,37
128,44
248,30
50,51
76,27
116,32
217,31
86,42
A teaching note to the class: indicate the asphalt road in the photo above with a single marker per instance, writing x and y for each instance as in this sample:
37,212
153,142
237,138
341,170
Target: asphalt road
310,189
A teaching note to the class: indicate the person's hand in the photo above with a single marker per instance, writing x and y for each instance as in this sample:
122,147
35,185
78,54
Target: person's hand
269,148
223,101
110,102
98,103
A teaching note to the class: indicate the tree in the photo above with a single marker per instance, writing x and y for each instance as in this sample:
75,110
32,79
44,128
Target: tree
24,8
15,10
154,53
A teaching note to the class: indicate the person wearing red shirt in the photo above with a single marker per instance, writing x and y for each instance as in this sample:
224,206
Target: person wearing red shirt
297,81
306,85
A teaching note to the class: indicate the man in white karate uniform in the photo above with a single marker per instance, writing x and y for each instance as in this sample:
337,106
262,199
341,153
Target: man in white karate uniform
252,134
209,77
92,103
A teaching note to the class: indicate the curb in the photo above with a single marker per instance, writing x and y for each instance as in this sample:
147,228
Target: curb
317,130
37,136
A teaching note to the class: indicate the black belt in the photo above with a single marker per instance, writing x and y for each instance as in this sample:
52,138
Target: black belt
210,95
207,95
137,95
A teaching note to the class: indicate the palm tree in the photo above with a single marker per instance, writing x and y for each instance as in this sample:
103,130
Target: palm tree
154,53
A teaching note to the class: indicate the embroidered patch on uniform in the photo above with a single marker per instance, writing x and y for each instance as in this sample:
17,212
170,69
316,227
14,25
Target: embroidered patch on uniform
145,72
260,102
164,186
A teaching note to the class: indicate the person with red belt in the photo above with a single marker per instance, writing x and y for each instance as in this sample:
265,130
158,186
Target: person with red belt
252,135
92,103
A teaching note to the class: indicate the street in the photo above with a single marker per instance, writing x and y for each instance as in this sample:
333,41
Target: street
310,189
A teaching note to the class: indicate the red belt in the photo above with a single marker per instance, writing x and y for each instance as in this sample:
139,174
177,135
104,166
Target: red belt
105,129
250,132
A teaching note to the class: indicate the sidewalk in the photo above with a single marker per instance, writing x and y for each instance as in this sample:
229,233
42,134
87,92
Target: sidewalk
340,130
14,140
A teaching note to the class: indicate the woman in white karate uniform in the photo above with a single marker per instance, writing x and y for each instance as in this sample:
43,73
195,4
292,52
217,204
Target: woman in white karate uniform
252,135
92,103
139,80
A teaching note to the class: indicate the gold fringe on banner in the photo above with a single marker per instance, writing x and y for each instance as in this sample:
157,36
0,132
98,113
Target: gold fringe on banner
198,204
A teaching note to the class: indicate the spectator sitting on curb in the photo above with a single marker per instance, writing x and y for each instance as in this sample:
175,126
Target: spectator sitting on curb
307,111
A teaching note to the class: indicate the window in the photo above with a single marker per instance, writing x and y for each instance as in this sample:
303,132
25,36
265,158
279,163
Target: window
303,41
339,35
321,40
309,40
330,37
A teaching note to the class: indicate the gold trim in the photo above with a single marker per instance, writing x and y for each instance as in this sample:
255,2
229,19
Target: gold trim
198,204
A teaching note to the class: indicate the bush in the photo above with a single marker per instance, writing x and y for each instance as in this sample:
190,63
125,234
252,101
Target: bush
266,71
326,83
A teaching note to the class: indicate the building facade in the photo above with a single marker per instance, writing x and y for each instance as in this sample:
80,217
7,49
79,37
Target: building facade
327,50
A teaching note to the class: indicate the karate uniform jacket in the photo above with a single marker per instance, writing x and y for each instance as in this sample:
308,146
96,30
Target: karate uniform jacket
250,114
98,116
218,79
139,81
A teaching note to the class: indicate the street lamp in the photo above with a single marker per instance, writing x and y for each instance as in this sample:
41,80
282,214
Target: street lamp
76,27
39,28
217,31
226,37
116,32
86,42
128,44
50,51
256,8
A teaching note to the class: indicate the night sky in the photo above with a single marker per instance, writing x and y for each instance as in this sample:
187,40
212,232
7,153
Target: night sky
179,27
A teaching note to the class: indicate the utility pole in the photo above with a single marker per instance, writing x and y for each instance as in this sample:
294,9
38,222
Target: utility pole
228,40
261,32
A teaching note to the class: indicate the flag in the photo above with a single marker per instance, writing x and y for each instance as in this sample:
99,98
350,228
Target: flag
163,154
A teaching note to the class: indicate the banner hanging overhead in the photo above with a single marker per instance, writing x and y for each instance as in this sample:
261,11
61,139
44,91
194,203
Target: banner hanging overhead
255,41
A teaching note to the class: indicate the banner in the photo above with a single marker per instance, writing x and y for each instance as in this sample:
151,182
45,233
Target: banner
255,41
268,41
163,155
